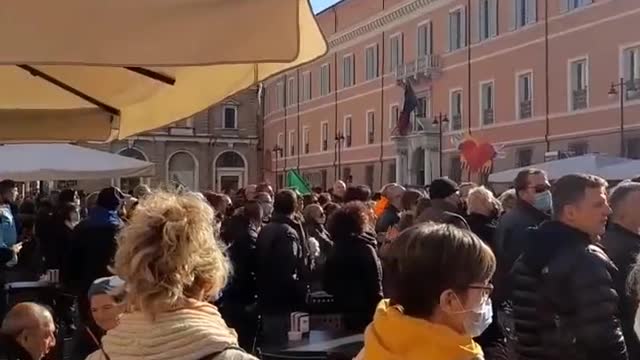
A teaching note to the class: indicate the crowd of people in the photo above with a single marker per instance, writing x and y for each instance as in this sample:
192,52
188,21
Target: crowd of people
449,271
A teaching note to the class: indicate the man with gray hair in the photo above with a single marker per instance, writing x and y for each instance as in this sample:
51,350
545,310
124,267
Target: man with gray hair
391,215
622,243
28,332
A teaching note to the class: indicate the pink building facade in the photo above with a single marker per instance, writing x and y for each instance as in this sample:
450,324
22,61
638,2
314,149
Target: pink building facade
499,70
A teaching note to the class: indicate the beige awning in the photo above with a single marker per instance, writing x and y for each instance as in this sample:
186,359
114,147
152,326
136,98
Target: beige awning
101,70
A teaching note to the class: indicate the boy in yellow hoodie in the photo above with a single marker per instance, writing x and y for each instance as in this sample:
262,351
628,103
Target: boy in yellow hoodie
439,299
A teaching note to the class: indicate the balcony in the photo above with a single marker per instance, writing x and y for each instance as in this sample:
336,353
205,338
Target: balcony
487,116
525,109
579,99
425,67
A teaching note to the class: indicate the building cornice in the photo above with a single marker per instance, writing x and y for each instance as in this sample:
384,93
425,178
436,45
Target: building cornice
198,139
383,20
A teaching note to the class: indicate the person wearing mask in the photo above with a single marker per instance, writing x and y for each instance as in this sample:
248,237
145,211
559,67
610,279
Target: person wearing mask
9,220
266,203
439,297
622,243
239,308
319,241
391,214
564,299
533,206
445,204
338,191
27,333
353,273
169,315
281,268
93,247
106,298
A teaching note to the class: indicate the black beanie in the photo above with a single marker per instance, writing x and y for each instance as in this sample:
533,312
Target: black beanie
442,188
110,198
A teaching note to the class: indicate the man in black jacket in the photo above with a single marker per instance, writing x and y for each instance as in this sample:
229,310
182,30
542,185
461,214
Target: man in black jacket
532,208
281,267
565,305
622,244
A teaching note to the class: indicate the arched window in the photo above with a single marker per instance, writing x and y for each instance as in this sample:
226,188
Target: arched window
230,159
182,170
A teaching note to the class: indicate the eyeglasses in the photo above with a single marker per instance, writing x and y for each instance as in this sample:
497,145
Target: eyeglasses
486,289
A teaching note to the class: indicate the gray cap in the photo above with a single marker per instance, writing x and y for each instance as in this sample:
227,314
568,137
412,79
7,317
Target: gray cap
113,286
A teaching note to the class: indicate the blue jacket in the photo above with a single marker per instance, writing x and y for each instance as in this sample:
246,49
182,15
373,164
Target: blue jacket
8,229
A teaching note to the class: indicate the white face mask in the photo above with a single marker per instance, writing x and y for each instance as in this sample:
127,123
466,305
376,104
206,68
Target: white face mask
636,323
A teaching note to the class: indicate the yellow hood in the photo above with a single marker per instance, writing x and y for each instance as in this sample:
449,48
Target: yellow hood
393,335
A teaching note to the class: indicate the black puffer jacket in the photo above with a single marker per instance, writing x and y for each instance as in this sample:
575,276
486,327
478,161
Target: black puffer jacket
281,267
353,275
564,302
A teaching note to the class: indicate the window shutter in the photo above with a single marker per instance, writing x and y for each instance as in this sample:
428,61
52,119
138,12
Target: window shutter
493,24
422,39
429,38
450,34
564,6
532,11
513,17
477,17
463,27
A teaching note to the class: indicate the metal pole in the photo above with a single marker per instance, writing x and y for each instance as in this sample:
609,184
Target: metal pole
298,149
546,73
622,95
440,145
276,170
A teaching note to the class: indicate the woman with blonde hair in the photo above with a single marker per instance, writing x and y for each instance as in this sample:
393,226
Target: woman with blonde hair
171,268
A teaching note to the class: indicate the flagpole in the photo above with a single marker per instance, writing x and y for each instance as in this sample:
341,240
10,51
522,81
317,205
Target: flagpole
382,108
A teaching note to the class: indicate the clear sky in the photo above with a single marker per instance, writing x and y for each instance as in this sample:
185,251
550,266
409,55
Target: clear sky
319,5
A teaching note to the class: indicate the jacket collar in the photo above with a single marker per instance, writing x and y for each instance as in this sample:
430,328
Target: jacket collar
548,240
531,210
614,227
443,205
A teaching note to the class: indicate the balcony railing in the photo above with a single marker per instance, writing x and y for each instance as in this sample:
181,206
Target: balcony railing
456,122
525,109
579,98
632,89
422,68
487,116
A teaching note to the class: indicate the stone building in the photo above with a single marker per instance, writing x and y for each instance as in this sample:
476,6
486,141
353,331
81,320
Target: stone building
215,149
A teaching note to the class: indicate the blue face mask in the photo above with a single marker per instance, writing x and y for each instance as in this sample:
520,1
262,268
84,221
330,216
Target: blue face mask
543,201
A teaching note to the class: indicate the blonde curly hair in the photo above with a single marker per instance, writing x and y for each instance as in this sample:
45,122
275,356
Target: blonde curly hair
167,254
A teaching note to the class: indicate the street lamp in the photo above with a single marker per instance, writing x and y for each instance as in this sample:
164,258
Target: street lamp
439,120
339,139
277,151
626,89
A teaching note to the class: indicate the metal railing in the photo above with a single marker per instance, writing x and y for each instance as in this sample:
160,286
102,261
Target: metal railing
487,116
422,67
456,122
579,98
525,109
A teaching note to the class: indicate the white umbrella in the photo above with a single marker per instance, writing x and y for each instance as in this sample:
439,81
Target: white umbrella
100,70
595,164
30,162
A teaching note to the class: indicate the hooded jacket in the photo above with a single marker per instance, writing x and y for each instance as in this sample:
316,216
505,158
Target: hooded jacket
395,336
187,334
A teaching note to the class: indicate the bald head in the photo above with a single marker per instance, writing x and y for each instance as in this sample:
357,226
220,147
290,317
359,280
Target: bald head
25,316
